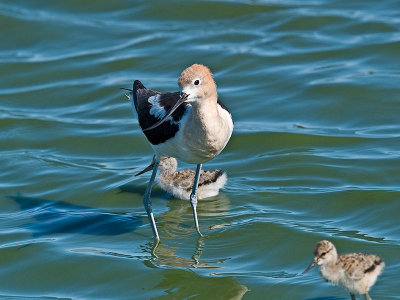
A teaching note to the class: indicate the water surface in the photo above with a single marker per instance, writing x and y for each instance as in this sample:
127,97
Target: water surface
314,89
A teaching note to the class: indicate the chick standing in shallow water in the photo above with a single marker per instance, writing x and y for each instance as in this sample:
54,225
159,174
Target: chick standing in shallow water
179,183
356,272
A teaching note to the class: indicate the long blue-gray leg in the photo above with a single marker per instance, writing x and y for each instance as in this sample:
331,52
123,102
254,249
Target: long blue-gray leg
193,197
147,201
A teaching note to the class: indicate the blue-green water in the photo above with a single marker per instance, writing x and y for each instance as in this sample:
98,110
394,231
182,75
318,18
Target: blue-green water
314,89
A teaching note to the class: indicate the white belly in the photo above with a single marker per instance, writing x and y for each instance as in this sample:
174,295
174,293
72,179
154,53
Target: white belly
195,143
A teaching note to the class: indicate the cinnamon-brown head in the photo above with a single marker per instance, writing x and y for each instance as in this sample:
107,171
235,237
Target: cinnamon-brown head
197,82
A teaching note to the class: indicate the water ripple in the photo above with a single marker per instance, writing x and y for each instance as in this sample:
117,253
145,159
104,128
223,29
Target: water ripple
313,88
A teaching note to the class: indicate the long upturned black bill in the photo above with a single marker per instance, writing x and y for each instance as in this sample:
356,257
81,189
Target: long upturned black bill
313,264
170,112
126,89
148,168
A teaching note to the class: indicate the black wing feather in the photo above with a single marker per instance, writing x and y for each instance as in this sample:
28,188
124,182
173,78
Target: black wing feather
167,129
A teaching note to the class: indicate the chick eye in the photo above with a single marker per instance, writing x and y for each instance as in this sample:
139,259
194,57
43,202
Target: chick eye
323,254
196,82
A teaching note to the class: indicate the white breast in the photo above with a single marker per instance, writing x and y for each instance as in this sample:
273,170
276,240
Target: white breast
198,142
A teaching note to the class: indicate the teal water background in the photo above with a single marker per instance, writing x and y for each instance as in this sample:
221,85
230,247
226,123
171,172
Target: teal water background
314,88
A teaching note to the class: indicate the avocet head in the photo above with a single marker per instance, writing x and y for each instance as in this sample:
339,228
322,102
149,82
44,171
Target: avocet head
324,252
197,82
197,86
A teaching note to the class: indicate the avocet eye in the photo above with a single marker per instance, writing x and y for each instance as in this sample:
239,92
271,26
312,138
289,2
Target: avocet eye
196,82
